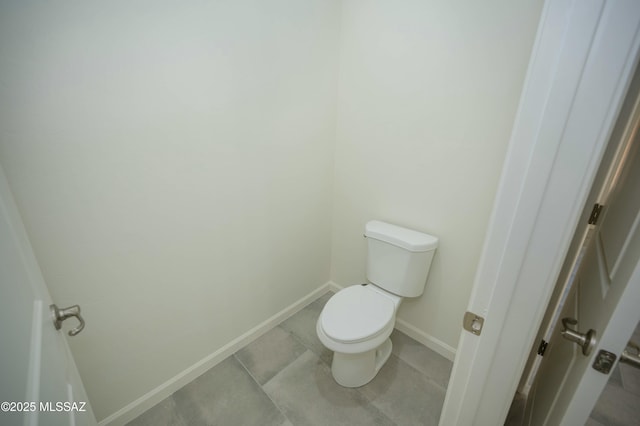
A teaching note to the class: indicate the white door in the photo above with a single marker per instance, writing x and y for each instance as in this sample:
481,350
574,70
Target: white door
39,382
583,58
605,298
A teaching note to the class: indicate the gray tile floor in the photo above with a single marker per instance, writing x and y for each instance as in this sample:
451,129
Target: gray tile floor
284,378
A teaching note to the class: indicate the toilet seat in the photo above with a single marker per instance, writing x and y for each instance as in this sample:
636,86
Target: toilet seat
356,314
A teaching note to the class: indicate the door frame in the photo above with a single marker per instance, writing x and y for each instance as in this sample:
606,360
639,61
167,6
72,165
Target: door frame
581,65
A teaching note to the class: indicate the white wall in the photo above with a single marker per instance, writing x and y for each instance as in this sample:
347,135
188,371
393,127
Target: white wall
427,96
173,165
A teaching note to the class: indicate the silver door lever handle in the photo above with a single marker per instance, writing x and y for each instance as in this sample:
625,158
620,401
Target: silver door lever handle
631,355
585,340
60,315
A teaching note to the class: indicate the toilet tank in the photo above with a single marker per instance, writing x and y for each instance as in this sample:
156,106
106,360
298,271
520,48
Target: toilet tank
398,259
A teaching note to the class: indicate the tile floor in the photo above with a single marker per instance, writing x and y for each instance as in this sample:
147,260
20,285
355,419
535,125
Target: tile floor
284,378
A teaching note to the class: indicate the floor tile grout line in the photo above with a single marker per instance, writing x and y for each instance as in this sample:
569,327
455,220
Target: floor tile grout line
362,395
312,352
262,386
310,349
301,342
372,402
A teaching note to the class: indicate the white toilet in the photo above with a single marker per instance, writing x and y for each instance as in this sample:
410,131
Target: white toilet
357,321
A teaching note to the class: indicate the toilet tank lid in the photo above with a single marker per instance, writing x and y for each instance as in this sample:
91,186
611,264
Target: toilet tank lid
402,237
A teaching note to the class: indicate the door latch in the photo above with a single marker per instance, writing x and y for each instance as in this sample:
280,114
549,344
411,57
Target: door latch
473,323
604,361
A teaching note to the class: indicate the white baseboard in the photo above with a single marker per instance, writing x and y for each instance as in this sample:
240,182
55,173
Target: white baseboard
426,339
414,332
153,397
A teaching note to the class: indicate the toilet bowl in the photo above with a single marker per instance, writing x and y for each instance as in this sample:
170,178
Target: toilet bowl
357,321
356,324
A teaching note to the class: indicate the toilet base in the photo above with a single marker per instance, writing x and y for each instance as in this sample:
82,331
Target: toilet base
355,370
